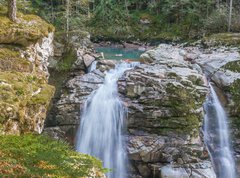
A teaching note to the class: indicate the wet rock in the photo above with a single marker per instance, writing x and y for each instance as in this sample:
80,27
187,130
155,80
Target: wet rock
105,65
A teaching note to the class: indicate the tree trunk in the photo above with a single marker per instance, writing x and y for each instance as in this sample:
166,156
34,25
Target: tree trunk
12,10
67,16
52,15
230,16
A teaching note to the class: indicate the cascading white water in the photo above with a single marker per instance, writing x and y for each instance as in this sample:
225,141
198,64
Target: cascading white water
216,137
100,132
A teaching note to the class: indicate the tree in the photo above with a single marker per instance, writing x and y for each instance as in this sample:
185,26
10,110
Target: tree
12,10
67,16
230,16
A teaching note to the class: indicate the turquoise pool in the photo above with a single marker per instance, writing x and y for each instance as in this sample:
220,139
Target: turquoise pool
119,53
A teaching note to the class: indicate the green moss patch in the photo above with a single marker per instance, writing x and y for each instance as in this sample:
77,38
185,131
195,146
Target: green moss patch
40,156
233,66
11,60
29,29
19,91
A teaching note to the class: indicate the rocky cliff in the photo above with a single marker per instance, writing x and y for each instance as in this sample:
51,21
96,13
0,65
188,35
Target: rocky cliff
164,97
25,93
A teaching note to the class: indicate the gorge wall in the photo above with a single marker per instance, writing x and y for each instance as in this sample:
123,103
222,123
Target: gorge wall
164,95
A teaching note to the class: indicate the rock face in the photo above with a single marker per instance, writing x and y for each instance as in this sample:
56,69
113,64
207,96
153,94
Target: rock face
72,85
165,101
164,97
24,90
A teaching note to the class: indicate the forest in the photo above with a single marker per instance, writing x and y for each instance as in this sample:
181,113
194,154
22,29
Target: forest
139,19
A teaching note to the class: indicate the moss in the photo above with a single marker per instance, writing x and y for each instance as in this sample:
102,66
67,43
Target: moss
40,156
181,104
11,60
44,96
29,29
21,90
233,66
66,63
223,39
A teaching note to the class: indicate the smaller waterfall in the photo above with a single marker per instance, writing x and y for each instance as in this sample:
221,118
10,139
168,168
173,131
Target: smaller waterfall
100,131
216,137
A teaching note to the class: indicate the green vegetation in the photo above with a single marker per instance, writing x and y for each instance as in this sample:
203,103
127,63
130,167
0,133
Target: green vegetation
67,61
161,20
40,156
153,20
30,29
23,96
233,66
11,60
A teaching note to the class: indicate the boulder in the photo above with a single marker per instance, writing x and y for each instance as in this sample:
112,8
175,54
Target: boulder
88,60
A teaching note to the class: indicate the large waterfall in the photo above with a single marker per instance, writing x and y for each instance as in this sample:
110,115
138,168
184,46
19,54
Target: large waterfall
100,132
216,137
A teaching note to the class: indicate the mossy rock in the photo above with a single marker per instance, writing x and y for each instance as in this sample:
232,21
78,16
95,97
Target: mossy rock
29,29
41,156
24,99
229,39
233,66
11,60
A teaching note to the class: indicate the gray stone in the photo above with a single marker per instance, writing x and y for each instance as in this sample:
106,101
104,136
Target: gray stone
88,59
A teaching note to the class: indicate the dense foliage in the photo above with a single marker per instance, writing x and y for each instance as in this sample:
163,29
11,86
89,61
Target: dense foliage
143,19
40,156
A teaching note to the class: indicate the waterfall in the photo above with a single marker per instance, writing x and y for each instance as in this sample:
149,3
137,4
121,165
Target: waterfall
100,131
216,137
